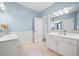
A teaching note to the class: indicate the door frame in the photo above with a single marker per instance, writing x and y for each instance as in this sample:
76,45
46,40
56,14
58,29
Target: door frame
48,20
34,29
48,26
34,26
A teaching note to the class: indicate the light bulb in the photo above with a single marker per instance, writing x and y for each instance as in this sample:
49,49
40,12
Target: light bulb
61,12
56,13
66,10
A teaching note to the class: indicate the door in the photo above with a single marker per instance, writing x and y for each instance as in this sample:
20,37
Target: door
38,29
46,26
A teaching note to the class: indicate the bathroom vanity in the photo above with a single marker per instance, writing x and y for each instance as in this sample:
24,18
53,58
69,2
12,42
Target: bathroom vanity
8,45
67,45
63,37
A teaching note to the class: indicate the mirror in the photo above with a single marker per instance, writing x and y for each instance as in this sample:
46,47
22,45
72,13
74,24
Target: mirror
68,25
56,25
67,22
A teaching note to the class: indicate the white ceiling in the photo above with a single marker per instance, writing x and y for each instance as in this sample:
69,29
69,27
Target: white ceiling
37,6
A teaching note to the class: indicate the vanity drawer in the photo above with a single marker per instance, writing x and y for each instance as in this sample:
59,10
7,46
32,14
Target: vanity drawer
51,38
48,37
66,40
73,41
59,39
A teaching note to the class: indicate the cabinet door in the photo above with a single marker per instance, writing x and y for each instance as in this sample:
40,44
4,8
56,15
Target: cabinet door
54,42
65,49
74,47
73,42
51,42
9,48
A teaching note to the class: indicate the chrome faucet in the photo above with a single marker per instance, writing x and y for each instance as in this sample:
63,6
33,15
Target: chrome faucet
64,32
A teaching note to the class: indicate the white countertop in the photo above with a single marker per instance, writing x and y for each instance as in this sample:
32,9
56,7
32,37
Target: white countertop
10,36
68,35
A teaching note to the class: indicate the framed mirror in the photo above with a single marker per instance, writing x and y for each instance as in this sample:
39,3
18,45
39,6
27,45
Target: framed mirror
67,22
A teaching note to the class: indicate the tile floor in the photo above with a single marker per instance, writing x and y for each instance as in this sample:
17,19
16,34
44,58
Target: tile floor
35,49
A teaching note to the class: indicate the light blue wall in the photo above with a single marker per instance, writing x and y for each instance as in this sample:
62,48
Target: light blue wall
19,17
57,6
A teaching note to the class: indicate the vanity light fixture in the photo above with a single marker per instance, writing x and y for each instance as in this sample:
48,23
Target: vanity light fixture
58,21
61,12
56,13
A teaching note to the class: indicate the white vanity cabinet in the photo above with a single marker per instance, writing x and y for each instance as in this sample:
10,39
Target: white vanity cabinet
51,42
63,45
67,46
9,45
64,49
9,48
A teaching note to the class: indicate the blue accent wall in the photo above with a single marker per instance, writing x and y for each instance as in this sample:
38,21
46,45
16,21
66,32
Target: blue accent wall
20,18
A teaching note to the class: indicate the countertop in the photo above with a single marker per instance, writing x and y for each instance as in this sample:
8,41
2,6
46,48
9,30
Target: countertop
10,36
68,35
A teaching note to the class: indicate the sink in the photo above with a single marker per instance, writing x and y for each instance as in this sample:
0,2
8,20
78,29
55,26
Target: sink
10,36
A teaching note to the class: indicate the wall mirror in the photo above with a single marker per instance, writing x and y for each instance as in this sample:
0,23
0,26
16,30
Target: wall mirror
65,22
